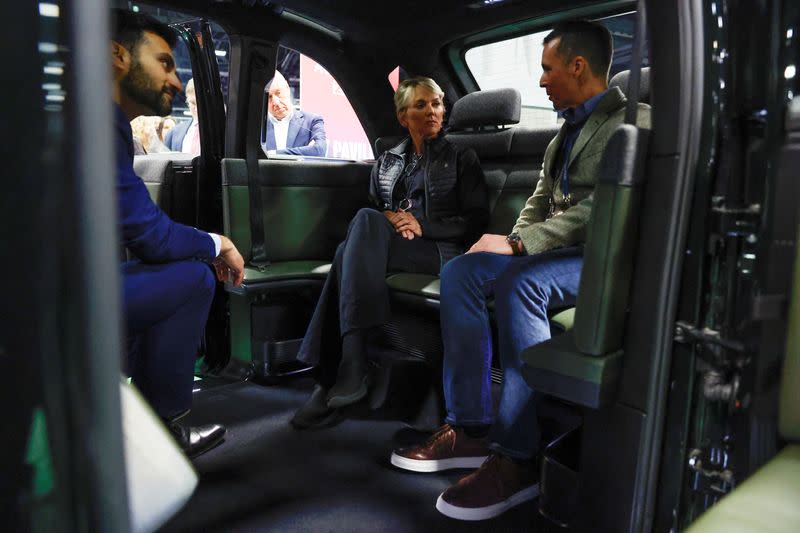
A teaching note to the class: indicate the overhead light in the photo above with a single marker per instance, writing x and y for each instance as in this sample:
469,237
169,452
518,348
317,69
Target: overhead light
48,48
55,71
480,4
789,72
220,53
49,10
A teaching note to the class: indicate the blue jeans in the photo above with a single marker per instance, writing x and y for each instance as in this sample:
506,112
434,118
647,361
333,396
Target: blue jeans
524,288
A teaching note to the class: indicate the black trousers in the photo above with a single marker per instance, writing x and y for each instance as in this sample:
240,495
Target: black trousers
166,308
355,294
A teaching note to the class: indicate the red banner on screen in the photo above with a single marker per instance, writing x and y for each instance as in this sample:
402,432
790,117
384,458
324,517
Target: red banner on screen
320,94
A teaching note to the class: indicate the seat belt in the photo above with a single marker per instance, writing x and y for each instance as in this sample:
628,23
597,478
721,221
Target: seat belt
635,77
258,249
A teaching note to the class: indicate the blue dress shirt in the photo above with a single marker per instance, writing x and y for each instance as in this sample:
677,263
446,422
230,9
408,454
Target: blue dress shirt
575,118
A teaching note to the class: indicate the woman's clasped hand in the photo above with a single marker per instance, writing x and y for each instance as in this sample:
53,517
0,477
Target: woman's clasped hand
404,223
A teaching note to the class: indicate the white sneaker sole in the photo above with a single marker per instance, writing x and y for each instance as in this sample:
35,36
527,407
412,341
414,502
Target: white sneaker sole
490,511
433,465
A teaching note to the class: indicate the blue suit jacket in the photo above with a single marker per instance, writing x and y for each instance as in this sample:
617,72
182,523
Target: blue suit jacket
304,127
174,138
147,231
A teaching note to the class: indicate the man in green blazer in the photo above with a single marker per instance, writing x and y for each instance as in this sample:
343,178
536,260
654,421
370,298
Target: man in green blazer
536,267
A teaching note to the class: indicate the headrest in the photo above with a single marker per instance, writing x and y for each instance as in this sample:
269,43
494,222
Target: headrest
621,80
493,107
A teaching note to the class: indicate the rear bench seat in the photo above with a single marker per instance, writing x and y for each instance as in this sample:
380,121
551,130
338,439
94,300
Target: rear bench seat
308,205
306,209
314,214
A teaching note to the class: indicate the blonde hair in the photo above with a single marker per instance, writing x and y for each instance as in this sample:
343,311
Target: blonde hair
405,91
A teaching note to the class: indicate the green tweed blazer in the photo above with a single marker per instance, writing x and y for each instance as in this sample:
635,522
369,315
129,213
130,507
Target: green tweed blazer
538,230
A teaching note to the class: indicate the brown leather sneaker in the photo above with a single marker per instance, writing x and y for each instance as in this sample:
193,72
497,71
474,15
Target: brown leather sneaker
448,448
498,485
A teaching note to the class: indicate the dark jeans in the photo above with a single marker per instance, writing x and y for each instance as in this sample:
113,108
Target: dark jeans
166,308
356,284
524,288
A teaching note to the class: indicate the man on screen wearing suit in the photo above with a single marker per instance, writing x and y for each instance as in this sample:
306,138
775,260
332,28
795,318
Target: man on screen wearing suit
289,130
169,286
185,137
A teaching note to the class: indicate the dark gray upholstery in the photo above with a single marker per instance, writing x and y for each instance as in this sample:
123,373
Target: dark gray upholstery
532,142
496,107
153,167
486,108
621,80
487,144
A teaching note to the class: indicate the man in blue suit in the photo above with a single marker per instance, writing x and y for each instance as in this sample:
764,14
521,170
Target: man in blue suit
289,130
185,137
168,288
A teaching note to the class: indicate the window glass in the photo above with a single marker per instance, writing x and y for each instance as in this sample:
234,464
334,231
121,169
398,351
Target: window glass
320,120
151,133
517,63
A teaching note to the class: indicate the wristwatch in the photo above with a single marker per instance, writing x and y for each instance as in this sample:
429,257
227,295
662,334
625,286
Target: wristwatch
514,240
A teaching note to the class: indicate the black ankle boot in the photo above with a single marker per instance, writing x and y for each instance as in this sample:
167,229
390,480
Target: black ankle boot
352,383
315,413
194,440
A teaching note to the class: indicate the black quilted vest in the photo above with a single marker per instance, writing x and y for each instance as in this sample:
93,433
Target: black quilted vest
440,168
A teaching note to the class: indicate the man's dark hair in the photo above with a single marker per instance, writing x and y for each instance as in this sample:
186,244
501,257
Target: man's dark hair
127,28
584,38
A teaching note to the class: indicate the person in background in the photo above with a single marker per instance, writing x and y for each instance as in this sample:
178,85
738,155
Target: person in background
169,286
429,203
288,130
145,131
185,137
164,125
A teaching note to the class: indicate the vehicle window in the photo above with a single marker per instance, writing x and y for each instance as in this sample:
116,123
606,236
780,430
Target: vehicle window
151,133
321,121
517,63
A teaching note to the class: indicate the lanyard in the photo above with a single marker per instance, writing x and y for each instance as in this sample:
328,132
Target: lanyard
565,173
569,143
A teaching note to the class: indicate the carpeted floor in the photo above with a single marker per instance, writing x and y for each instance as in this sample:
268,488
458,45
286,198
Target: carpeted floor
267,476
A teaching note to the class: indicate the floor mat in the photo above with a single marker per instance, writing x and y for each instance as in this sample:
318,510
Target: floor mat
267,476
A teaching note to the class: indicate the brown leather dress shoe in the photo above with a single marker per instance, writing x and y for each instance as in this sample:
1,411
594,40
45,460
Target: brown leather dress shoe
448,448
498,485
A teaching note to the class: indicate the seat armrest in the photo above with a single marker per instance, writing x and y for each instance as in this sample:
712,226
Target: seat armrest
557,368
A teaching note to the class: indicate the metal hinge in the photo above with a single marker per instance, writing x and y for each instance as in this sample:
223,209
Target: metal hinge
713,482
736,220
687,333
